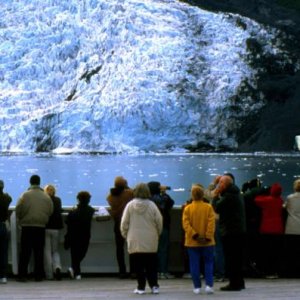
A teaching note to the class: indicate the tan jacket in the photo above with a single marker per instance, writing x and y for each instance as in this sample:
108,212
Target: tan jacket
141,226
34,207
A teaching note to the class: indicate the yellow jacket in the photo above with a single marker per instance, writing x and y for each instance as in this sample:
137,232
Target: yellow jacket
199,218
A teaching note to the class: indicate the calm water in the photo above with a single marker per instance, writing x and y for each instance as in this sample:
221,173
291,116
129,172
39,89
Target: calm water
96,173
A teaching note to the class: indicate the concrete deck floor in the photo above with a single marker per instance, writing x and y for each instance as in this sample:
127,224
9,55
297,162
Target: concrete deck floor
113,288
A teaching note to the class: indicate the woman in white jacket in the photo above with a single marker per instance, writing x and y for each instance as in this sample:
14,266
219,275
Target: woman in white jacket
141,226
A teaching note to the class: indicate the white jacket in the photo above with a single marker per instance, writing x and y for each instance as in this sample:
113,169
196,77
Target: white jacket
141,226
293,210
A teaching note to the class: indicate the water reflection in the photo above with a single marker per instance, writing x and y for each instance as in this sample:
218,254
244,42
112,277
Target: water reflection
96,173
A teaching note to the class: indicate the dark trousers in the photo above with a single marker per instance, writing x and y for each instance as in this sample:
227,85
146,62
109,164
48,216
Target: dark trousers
78,249
32,240
233,247
145,265
271,246
291,252
3,249
120,242
163,251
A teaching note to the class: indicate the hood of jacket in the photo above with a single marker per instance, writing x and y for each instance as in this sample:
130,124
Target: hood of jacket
140,205
276,190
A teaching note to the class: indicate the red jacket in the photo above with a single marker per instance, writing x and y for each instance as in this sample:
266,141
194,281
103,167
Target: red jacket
271,208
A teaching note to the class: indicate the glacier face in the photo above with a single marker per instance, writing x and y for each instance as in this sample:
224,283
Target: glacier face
123,76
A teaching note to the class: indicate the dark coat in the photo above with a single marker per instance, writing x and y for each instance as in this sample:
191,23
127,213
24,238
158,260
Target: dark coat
5,201
79,223
231,209
55,220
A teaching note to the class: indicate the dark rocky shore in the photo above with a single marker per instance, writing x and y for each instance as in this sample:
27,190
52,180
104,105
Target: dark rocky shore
276,125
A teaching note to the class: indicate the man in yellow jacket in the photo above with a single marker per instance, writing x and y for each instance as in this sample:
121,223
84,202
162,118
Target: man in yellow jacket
198,222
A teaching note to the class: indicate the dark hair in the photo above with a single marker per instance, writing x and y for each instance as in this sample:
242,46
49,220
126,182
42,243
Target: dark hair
154,187
84,197
35,180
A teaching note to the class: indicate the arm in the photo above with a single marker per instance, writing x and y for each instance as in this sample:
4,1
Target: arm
124,227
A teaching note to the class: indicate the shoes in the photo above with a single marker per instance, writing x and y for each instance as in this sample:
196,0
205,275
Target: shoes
229,288
3,280
57,274
78,277
209,290
165,276
155,290
197,291
71,273
139,292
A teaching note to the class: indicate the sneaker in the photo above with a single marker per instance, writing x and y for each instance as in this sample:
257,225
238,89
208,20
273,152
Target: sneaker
71,273
155,290
3,280
197,291
57,274
209,290
139,292
78,277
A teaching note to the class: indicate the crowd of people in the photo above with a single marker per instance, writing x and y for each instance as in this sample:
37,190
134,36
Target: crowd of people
227,230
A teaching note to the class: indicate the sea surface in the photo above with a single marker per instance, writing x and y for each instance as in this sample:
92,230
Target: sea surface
95,173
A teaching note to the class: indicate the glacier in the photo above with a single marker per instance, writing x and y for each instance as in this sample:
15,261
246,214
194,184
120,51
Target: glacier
124,76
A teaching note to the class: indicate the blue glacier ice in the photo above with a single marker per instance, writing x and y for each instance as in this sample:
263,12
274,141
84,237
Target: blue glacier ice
122,76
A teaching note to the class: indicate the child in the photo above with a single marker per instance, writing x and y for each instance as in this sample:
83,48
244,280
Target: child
79,232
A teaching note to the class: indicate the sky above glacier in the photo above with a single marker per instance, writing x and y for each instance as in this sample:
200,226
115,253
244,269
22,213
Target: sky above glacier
120,76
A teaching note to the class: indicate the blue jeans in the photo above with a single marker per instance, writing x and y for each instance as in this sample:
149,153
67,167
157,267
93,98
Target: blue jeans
196,254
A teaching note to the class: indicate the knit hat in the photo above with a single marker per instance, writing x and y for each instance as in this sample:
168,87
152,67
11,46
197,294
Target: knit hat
120,181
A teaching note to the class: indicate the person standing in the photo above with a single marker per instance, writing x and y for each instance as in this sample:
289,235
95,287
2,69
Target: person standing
5,200
164,203
78,234
230,207
198,221
33,211
52,262
292,232
141,226
118,197
271,231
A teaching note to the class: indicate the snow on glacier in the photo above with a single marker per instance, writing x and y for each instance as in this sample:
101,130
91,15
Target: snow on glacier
118,76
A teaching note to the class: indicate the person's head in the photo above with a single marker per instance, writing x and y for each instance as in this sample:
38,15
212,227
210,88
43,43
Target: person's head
276,189
50,190
224,183
297,185
142,191
197,192
120,182
35,180
83,197
154,187
230,175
